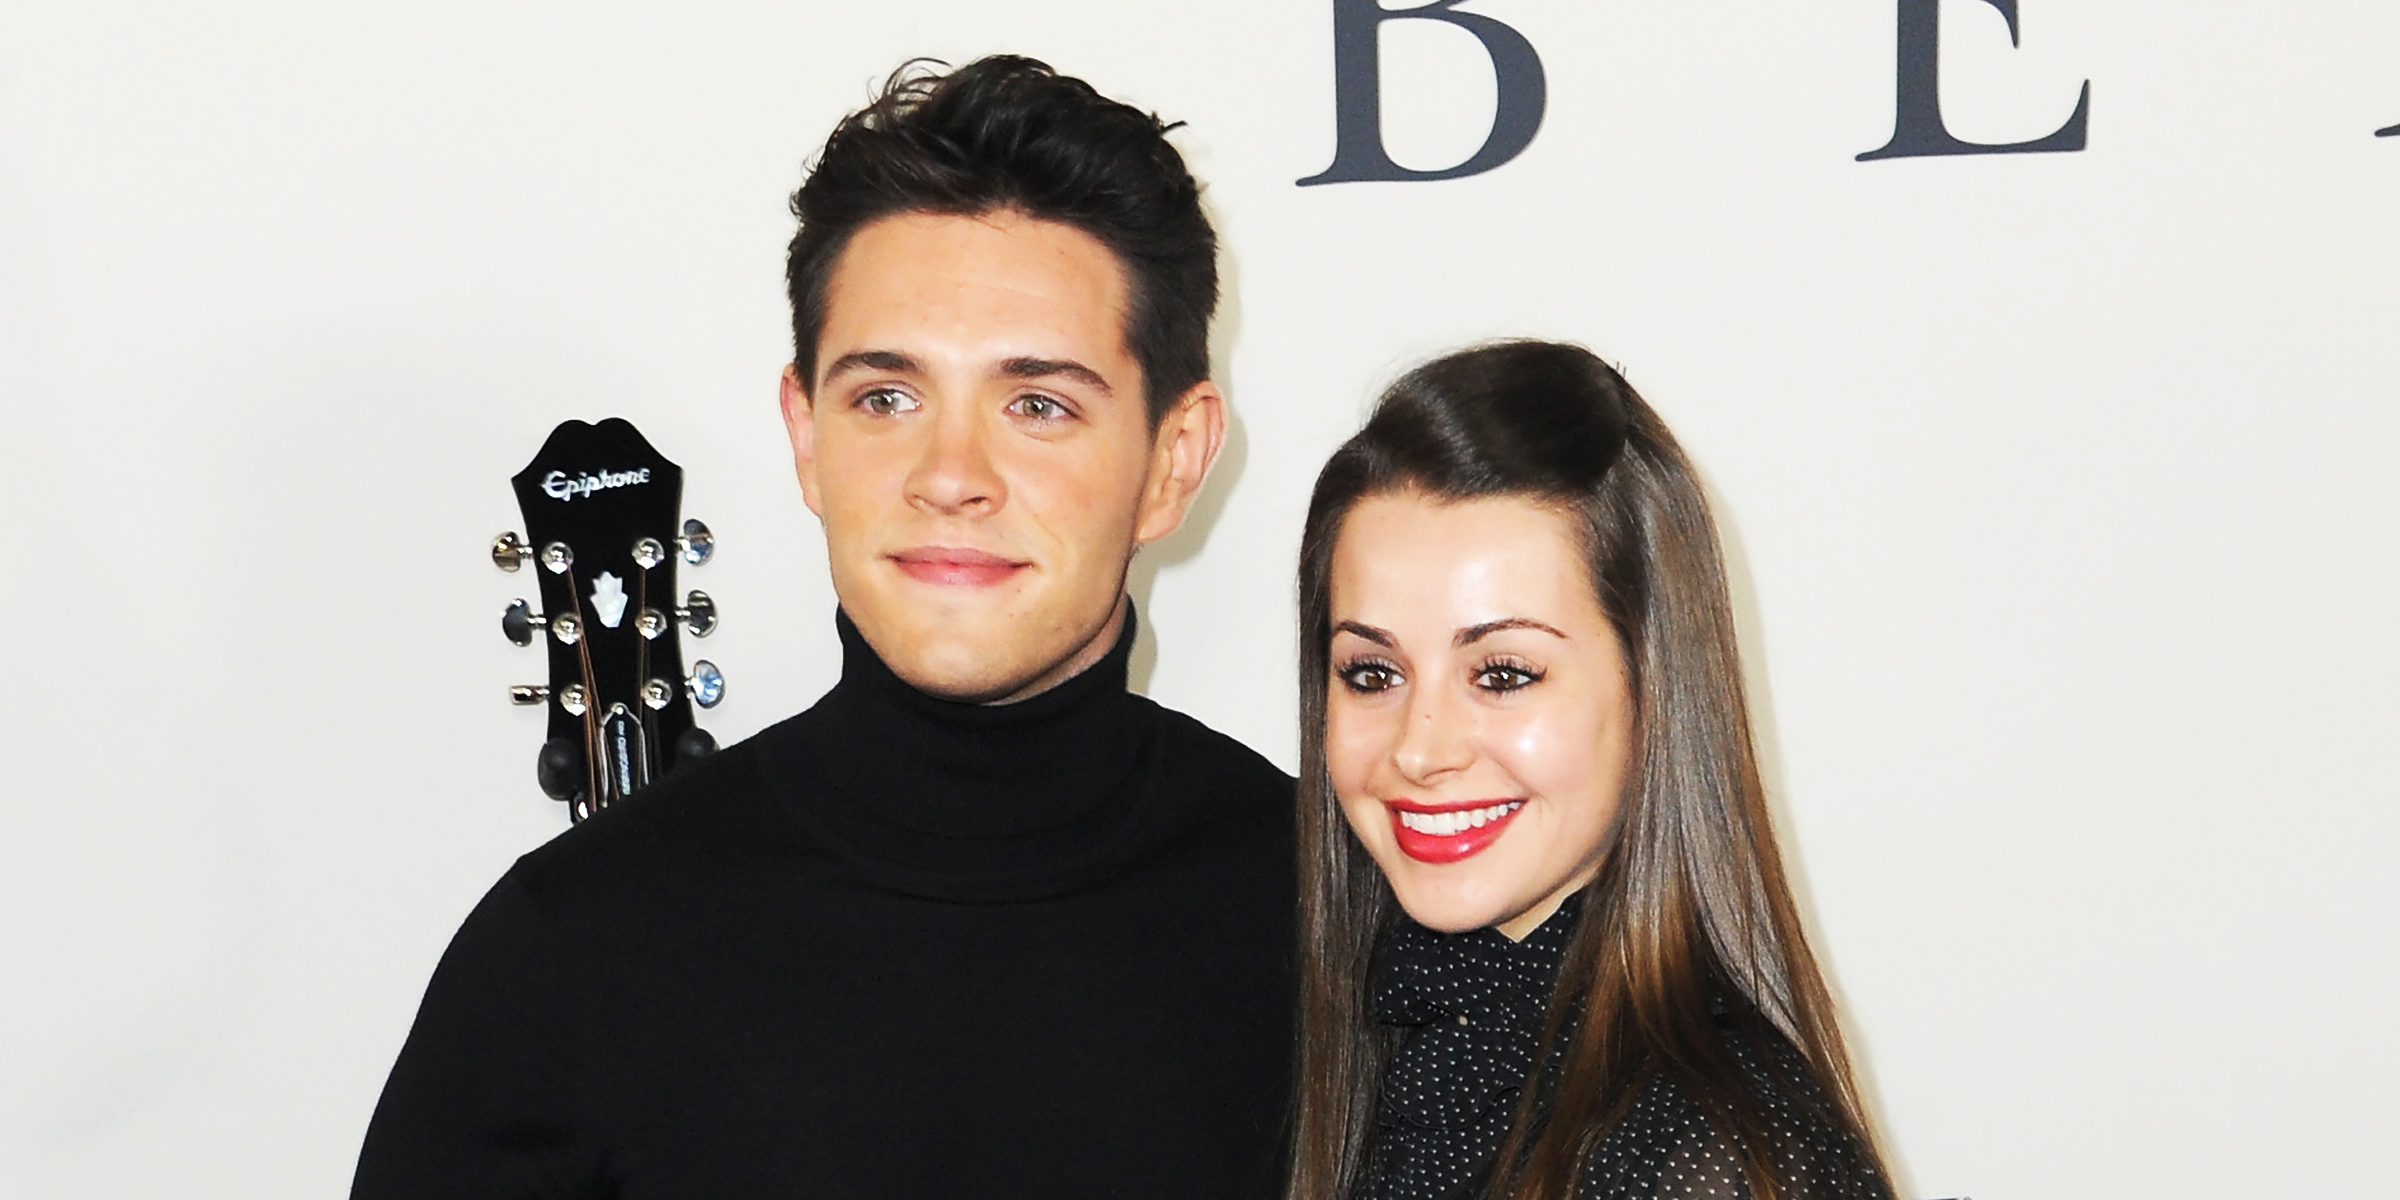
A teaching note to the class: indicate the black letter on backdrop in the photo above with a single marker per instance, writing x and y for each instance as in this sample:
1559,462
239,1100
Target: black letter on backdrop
1918,131
1358,153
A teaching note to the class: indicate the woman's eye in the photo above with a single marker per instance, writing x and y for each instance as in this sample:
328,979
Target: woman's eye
1506,677
1367,678
1039,408
886,402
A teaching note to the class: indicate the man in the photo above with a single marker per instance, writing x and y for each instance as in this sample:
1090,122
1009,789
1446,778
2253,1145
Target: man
980,922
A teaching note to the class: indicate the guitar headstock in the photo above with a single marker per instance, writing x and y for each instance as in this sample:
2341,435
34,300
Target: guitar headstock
604,538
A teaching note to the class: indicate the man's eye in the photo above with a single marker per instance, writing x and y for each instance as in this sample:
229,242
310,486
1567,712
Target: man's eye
1367,678
1037,407
885,402
1506,677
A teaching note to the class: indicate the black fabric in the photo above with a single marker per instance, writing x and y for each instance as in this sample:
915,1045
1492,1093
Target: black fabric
1666,1148
1467,1012
1470,1006
892,947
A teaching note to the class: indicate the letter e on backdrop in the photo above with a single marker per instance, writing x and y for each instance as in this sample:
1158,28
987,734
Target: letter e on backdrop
1917,128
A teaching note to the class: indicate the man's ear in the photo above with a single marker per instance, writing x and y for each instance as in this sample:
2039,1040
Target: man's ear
1181,453
799,420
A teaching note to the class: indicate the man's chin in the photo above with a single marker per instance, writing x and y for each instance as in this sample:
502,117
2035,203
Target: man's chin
980,682
966,660
987,648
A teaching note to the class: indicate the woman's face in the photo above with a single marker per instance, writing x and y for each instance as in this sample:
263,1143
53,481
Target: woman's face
1478,721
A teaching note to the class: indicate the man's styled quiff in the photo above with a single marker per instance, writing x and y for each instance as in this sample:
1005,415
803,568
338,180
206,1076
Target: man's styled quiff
1009,133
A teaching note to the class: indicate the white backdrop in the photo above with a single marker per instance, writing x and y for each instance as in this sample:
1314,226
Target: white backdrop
2059,487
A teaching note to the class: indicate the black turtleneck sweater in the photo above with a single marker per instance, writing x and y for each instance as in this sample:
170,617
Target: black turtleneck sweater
892,947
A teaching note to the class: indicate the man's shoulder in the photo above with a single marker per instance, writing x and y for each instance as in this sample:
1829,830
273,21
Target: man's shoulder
1191,745
1229,795
683,827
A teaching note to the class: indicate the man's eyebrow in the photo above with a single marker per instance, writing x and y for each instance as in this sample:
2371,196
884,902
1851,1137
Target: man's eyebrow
1381,637
1475,633
1047,368
871,360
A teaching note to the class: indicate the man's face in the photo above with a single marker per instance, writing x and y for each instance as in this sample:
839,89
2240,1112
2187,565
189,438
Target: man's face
977,445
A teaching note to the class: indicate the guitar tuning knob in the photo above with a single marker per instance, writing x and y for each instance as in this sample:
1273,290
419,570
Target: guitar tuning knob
527,695
573,699
510,552
696,544
648,553
692,743
559,769
707,683
698,614
557,558
520,622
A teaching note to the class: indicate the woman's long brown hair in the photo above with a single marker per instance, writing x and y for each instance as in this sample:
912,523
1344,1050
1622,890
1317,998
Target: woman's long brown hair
1691,913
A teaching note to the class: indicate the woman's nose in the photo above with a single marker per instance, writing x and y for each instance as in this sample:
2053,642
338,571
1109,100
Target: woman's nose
1437,739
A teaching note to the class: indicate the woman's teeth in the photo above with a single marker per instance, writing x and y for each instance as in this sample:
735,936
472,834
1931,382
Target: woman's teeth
1447,824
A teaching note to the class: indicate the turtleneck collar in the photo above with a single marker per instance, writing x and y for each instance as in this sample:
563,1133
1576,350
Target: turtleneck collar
970,801
1421,977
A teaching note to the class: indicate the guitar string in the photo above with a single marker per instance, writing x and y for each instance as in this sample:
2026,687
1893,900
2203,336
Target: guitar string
652,752
591,695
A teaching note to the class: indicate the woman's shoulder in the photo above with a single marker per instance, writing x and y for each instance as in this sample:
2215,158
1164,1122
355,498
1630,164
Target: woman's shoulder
1667,1146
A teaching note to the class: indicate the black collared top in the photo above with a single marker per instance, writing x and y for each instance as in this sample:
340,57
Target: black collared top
1468,1011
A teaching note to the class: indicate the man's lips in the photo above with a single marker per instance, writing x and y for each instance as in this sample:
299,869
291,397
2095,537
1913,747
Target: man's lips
956,566
1448,833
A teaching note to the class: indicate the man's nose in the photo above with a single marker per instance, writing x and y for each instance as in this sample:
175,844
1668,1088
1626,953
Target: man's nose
954,475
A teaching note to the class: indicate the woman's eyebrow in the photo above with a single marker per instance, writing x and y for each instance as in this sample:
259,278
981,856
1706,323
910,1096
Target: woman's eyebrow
1381,637
1475,633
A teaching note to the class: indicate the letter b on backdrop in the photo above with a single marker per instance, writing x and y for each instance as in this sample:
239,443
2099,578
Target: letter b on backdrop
1358,153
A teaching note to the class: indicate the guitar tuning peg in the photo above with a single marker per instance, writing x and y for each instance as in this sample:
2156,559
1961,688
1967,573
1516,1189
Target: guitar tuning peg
648,553
698,614
692,743
657,694
707,683
696,544
573,699
557,558
527,695
510,552
559,768
520,622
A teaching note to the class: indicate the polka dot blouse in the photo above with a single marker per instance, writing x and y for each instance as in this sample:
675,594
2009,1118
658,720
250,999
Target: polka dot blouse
1468,1011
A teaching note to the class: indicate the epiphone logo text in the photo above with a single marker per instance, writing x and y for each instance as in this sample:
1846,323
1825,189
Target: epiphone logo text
1523,92
562,486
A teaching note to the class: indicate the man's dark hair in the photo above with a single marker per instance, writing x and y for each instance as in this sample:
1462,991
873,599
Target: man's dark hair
1007,132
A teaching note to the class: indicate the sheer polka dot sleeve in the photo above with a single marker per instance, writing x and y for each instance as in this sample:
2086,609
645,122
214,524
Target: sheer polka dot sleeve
1667,1149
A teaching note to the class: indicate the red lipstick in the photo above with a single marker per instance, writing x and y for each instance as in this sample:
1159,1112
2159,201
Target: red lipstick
1447,833
956,566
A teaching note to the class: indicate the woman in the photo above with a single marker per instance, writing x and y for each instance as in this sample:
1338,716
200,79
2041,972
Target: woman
1549,951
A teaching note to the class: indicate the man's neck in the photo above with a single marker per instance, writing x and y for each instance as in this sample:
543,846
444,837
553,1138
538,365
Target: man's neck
1092,651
